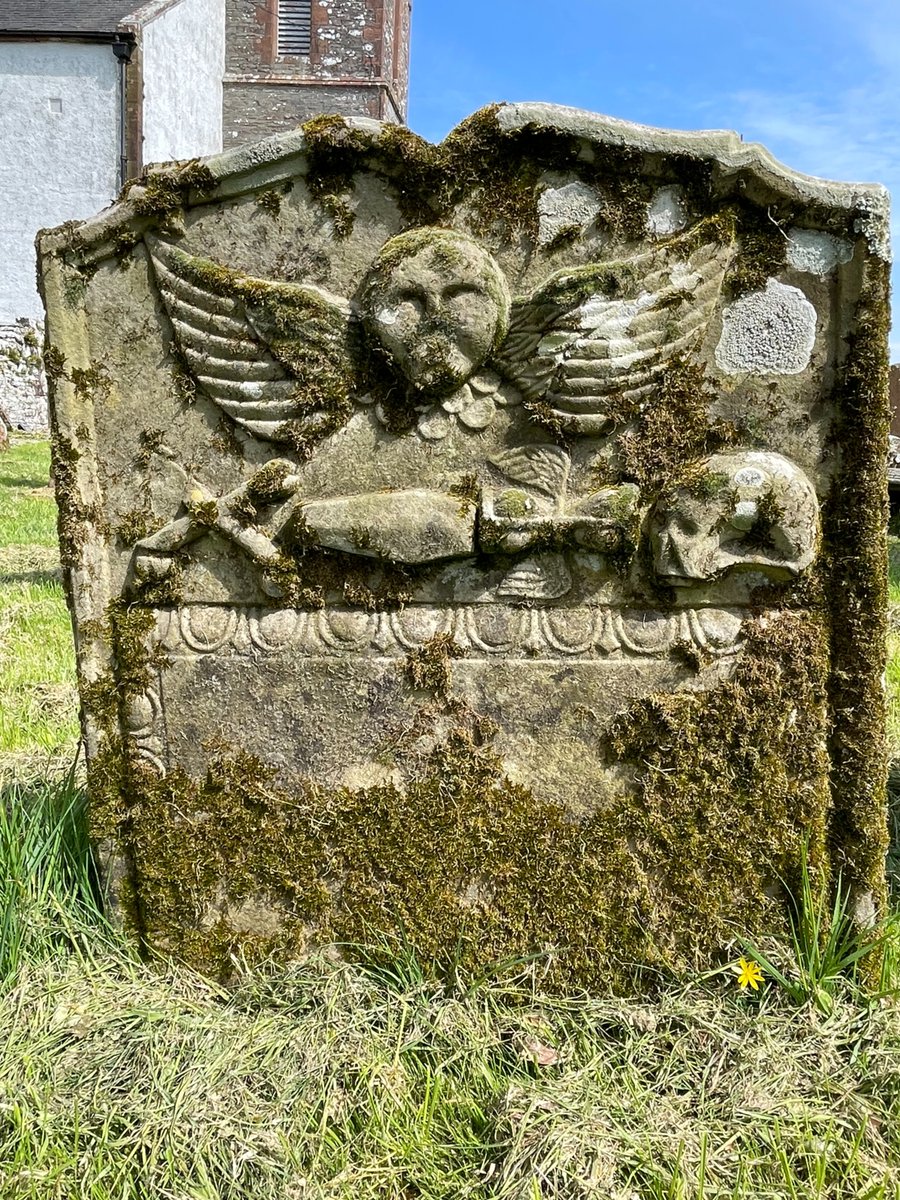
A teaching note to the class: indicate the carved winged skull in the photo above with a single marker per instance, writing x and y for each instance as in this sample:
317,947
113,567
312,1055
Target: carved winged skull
283,359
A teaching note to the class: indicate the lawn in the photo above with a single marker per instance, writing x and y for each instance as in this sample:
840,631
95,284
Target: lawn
39,712
127,1080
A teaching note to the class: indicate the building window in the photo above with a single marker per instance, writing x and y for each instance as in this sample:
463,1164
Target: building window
294,26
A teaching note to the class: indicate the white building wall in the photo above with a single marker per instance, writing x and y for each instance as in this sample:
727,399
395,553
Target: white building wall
59,151
183,53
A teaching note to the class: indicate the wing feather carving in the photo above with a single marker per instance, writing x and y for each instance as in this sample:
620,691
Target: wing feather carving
272,356
609,329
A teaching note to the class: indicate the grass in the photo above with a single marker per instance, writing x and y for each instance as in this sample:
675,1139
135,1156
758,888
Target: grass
38,713
124,1080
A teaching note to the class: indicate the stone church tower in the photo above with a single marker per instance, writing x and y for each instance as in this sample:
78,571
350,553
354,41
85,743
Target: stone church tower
288,60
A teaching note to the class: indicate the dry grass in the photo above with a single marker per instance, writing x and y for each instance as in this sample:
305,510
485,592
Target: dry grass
330,1081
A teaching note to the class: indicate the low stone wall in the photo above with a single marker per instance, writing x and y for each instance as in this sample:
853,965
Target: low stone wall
23,388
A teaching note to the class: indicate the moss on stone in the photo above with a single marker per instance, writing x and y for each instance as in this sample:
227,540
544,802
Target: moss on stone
150,441
54,363
76,521
334,151
308,576
186,387
468,491
769,515
137,524
269,200
720,788
727,786
316,344
428,666
763,249
164,190
266,486
706,485
498,173
204,513
167,591
732,781
341,214
855,544
415,169
226,440
662,440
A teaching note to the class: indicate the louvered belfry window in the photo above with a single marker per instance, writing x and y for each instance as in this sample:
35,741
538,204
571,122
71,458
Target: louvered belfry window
294,26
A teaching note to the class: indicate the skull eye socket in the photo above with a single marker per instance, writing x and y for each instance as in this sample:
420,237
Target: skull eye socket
686,525
413,298
464,290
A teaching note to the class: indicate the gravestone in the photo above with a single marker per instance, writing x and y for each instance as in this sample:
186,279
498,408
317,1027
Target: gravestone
477,547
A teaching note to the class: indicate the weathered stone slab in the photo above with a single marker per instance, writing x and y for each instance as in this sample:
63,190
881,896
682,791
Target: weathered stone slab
480,545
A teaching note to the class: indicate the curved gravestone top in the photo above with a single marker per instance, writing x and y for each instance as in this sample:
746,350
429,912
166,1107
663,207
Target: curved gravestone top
483,541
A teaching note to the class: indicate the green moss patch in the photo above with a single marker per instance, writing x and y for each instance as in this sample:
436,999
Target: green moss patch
855,538
168,189
732,781
727,785
497,174
661,440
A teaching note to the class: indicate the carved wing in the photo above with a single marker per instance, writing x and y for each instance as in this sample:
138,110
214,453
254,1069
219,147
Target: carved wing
276,357
609,329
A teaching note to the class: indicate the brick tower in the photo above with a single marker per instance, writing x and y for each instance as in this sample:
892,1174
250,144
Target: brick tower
288,60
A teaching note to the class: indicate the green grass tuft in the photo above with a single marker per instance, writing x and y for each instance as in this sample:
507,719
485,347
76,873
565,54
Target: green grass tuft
49,897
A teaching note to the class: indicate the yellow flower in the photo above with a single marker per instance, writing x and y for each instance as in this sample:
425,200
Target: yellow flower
749,974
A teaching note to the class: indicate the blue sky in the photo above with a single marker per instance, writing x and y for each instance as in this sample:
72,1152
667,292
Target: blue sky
816,81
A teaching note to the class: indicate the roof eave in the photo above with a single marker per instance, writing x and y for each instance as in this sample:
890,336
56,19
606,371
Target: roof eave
65,35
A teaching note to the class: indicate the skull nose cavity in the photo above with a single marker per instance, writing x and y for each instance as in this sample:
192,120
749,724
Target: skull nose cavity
674,560
745,514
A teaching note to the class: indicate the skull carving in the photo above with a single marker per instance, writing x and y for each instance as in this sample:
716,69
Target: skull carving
749,510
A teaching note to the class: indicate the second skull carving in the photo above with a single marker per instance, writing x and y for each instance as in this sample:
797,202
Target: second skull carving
750,510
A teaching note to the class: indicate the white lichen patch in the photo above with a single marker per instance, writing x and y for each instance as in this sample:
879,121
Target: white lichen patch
768,333
817,252
749,477
572,206
745,514
611,318
667,212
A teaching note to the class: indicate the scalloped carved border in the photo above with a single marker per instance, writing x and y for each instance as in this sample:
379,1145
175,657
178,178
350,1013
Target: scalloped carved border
500,631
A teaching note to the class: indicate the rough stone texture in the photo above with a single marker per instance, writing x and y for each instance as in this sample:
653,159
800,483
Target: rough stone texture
358,66
23,398
435,577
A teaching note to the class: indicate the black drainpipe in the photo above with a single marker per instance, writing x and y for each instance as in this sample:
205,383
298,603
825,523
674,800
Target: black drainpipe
123,48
